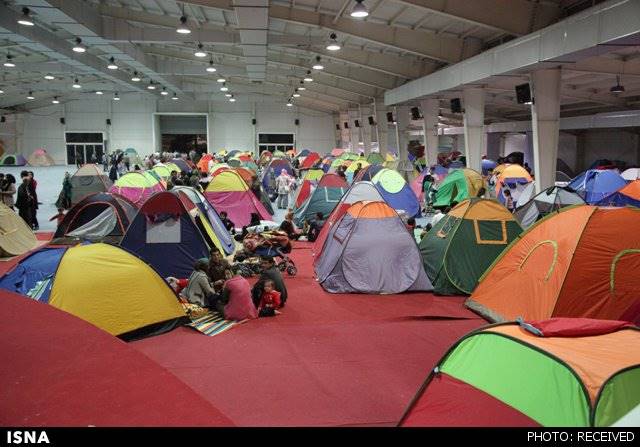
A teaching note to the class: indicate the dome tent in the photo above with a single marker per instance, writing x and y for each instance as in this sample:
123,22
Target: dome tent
88,180
627,195
594,185
459,185
130,301
573,263
40,157
323,199
16,238
137,186
13,160
563,372
544,203
396,192
359,257
460,247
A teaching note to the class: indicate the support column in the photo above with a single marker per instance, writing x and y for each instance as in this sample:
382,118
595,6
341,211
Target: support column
503,144
382,131
430,110
345,134
354,132
545,114
337,132
366,128
474,127
403,119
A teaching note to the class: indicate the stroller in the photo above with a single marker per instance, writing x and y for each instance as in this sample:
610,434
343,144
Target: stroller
272,243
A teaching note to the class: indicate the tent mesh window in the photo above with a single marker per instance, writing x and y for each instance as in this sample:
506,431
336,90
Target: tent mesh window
490,232
164,232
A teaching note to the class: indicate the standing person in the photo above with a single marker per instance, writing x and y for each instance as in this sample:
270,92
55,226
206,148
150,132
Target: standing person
79,156
25,201
8,190
58,217
113,172
33,185
270,273
358,169
105,162
64,199
127,163
283,183
427,187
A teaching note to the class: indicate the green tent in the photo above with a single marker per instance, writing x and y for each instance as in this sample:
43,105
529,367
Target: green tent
375,158
459,185
463,244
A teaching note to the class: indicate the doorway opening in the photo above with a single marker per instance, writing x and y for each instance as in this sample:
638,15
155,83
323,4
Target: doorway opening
182,133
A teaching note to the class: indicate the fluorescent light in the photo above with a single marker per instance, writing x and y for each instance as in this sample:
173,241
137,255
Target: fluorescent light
25,19
99,93
79,47
221,79
359,11
112,64
183,28
49,77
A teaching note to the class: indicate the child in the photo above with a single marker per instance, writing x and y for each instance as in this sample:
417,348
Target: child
176,284
59,217
508,200
269,301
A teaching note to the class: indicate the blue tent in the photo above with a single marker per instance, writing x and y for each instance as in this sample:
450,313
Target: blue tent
627,196
369,172
166,236
594,185
35,267
272,171
396,192
488,164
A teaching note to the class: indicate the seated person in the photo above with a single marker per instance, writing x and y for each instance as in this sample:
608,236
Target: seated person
289,227
315,226
178,285
228,224
199,290
216,266
411,224
270,273
269,301
234,302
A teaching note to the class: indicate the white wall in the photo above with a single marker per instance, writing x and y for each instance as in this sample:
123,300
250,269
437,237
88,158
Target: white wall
132,124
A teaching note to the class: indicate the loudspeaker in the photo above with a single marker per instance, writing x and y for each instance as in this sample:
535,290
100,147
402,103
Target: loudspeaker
2,119
371,121
253,121
61,120
523,94
456,105
346,125
415,113
297,122
337,126
390,117
357,123
108,122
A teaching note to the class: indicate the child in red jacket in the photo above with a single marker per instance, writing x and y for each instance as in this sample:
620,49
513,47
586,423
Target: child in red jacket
269,301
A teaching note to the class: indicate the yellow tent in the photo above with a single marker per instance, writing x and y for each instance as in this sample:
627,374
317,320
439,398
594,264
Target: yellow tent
16,238
163,171
113,290
227,181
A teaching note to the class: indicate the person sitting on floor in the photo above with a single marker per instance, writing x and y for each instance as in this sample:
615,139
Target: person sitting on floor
289,227
178,285
315,226
270,273
216,266
199,290
228,224
269,301
234,302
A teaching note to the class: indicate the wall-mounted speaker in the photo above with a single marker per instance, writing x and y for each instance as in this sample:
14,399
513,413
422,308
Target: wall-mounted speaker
357,123
346,125
108,122
415,113
62,120
523,94
297,122
2,119
253,121
371,121
390,117
337,126
456,105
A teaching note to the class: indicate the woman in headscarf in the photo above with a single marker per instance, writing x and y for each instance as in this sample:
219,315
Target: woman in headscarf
64,199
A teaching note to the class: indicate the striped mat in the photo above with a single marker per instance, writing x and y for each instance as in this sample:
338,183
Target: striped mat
213,324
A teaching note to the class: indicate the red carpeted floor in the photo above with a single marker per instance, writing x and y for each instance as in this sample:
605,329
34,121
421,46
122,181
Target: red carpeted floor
327,360
58,370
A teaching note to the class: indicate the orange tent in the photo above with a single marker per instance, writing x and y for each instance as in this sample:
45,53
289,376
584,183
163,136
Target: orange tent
582,261
246,174
203,164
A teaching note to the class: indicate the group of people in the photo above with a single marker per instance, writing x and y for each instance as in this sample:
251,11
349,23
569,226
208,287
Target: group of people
214,285
26,200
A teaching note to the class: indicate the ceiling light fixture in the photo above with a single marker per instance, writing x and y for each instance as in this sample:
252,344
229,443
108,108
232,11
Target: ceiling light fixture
175,97
1,91
79,47
151,86
164,91
9,62
289,104
30,95
359,11
221,79
296,94
112,64
99,93
318,65
55,100
76,84
232,99
302,87
116,97
224,88
228,95
49,77
135,77
333,44
200,52
308,77
183,28
617,88
25,19
211,68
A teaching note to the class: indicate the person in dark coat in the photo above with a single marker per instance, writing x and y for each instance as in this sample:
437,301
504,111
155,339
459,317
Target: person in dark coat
269,273
33,185
25,201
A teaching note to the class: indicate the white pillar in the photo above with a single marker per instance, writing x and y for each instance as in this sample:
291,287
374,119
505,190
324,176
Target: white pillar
403,119
474,127
354,132
345,134
382,131
366,129
337,130
430,109
545,114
